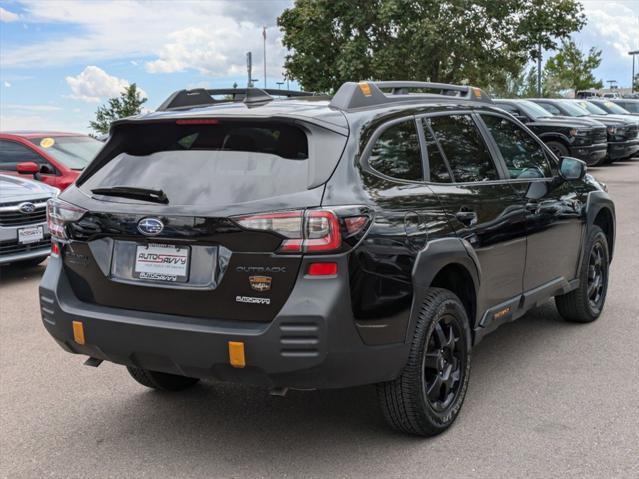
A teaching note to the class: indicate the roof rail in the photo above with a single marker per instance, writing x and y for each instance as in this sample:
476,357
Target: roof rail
204,97
367,94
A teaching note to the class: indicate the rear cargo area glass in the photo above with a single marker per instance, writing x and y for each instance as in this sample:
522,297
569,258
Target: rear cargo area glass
204,164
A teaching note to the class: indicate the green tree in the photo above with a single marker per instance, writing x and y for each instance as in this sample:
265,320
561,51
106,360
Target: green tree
572,68
636,83
479,41
524,85
545,22
128,103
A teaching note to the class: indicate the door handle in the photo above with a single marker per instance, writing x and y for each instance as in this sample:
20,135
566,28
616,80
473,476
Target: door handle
467,217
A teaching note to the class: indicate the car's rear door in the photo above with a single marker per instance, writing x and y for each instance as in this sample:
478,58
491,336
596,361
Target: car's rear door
484,209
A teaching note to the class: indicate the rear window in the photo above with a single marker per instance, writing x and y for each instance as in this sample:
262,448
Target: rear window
74,152
199,164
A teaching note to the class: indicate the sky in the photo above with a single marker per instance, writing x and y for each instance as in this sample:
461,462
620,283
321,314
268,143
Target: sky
61,59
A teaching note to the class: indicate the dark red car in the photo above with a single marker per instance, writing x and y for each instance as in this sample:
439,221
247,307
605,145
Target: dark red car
55,158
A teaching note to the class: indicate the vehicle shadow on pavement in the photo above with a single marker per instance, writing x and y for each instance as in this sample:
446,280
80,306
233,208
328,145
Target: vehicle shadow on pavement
247,420
12,274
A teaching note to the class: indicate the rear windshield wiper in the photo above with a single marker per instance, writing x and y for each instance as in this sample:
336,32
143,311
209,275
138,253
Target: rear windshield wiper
142,194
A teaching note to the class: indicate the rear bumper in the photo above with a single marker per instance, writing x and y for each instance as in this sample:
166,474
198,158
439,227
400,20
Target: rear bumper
591,154
622,149
311,343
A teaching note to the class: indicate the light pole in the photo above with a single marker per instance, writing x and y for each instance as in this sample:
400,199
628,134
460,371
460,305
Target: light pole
610,84
279,85
632,82
264,38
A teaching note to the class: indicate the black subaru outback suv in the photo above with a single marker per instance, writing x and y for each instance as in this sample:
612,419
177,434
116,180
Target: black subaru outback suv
371,238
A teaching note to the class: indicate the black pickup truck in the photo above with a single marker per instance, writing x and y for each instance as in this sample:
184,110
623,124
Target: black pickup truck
582,138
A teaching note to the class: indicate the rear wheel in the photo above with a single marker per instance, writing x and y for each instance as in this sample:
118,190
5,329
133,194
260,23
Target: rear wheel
161,381
426,398
585,303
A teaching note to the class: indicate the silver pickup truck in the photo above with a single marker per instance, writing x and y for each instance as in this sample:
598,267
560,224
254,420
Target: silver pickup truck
24,236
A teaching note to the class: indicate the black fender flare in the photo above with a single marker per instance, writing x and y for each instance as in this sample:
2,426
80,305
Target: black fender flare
555,136
596,201
431,260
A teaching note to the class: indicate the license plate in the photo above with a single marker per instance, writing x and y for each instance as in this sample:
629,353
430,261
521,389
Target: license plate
33,234
162,262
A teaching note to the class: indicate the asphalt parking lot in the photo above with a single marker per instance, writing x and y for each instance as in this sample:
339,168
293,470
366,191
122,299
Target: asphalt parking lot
546,399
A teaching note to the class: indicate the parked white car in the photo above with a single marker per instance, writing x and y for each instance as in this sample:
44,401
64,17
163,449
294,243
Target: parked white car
24,236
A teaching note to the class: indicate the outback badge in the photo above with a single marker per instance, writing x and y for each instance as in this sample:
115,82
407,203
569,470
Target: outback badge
260,284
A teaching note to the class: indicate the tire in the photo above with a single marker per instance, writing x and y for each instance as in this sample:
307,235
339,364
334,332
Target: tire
410,402
559,149
586,303
161,381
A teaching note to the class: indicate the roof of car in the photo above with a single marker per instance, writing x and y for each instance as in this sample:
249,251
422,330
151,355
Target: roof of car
330,112
39,133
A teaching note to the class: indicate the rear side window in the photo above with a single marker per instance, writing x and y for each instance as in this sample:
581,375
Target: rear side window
464,148
524,157
439,172
12,153
202,164
396,152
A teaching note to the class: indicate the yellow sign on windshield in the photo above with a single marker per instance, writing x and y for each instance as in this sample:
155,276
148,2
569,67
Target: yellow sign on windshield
47,142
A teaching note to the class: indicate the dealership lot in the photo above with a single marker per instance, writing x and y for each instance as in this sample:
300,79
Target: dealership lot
547,398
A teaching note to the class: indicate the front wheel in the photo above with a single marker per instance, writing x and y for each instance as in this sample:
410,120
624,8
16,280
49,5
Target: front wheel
426,398
585,303
161,381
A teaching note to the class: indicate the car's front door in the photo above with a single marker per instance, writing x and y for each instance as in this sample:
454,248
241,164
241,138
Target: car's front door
483,208
12,153
553,207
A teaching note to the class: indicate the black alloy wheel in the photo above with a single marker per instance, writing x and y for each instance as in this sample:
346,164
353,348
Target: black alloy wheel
443,362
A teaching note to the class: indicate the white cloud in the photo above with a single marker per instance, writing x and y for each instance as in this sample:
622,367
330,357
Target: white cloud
169,35
7,84
94,84
616,24
7,16
32,108
218,52
32,121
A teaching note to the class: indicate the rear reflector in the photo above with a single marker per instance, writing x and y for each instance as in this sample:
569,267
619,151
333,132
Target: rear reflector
236,354
78,332
55,249
322,269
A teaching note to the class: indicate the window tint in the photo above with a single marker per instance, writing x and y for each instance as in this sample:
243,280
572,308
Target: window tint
396,152
439,172
209,164
464,148
551,108
12,153
524,157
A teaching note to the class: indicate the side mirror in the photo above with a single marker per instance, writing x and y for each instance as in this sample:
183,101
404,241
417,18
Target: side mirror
27,168
571,169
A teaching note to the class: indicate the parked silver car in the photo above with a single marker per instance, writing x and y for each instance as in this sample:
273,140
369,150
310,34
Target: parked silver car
24,236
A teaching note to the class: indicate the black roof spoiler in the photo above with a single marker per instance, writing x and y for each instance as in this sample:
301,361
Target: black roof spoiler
203,97
369,94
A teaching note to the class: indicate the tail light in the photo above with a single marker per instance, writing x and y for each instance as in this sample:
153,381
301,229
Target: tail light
310,231
59,213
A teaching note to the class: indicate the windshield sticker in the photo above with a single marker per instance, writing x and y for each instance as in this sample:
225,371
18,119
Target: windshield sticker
47,142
